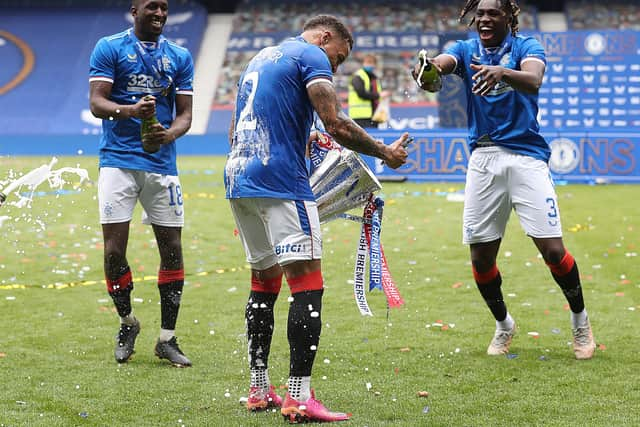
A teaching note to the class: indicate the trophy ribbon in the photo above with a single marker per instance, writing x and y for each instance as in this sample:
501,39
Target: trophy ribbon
379,274
358,276
373,211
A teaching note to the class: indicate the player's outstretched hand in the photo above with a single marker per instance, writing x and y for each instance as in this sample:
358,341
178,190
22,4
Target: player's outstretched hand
485,78
397,153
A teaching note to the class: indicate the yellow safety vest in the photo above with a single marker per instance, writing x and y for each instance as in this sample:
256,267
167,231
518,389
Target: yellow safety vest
360,108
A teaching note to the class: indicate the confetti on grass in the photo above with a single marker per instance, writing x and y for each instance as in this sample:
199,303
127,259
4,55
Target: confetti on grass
149,278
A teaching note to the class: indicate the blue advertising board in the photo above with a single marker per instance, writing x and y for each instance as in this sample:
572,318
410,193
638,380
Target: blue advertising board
44,65
363,41
592,80
599,157
602,156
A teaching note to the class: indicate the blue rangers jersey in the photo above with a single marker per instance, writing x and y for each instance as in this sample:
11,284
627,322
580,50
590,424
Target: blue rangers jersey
137,69
505,116
272,122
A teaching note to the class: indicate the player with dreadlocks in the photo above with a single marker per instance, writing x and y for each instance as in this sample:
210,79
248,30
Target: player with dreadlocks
508,168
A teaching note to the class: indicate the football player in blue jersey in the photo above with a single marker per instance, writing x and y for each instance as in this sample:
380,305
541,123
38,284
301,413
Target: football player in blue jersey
137,75
274,208
508,168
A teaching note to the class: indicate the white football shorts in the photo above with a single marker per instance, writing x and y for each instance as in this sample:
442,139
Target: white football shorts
277,231
499,180
159,195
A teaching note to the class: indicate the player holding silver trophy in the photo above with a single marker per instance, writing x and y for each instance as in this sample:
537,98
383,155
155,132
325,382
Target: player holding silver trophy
267,185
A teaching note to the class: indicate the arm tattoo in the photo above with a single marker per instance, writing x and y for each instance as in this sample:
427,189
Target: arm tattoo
339,125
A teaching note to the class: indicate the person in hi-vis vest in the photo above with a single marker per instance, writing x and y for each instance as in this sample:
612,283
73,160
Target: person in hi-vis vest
365,92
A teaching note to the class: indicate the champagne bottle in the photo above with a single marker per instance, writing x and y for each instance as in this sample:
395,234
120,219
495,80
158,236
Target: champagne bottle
146,128
428,78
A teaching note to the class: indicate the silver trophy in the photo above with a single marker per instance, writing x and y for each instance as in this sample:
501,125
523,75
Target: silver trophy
342,182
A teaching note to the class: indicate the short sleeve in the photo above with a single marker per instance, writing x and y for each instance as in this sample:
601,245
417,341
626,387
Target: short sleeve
456,50
532,49
102,62
314,64
184,79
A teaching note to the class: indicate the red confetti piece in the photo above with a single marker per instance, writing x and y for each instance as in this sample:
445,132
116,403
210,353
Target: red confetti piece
565,307
602,347
625,282
235,232
619,294
445,327
396,370
547,312
456,285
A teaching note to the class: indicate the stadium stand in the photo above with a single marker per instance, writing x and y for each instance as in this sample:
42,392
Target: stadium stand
44,90
394,32
615,15
375,16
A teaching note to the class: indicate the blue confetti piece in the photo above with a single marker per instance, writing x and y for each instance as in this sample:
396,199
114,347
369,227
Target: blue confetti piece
512,356
425,410
555,331
543,358
84,414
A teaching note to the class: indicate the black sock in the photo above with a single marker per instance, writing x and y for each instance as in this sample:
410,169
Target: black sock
121,292
492,295
303,331
259,317
170,295
570,285
122,301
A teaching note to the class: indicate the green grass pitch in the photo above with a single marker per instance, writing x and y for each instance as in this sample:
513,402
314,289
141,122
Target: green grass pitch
58,325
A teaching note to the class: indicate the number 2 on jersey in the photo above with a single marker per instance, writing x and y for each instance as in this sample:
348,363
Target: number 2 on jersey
247,120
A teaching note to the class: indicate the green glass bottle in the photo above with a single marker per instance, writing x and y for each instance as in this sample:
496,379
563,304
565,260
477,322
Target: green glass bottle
428,77
146,128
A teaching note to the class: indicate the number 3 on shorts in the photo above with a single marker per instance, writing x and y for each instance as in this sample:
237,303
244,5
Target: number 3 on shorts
553,212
